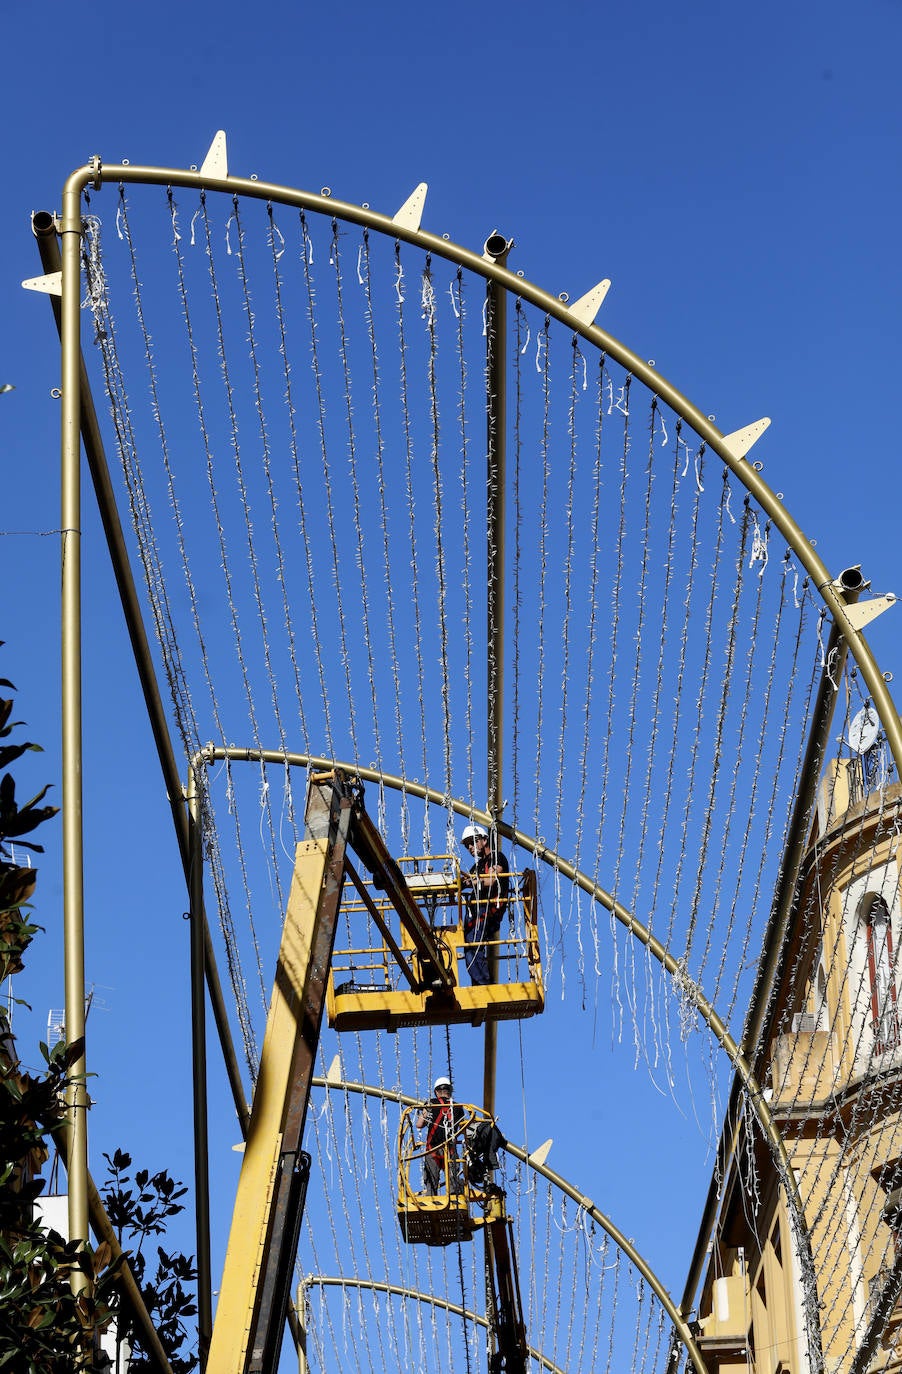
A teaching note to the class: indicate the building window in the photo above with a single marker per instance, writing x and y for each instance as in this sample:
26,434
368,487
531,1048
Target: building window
884,1012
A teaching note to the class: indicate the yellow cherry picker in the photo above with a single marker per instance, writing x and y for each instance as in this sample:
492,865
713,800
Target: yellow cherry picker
410,973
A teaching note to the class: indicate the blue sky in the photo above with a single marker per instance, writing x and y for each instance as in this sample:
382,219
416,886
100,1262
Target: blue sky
734,171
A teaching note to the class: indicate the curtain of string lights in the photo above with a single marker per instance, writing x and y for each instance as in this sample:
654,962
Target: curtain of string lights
298,409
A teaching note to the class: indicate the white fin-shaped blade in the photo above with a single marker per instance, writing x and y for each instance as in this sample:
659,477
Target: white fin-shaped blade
51,284
863,612
333,1073
411,212
741,440
541,1154
216,163
588,306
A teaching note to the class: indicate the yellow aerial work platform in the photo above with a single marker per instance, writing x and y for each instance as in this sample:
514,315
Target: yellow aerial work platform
446,1216
462,1163
388,985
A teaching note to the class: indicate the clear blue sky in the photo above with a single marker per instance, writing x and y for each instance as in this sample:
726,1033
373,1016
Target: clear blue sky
735,171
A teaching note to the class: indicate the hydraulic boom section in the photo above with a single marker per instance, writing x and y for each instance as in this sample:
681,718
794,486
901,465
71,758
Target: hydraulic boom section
432,972
507,1328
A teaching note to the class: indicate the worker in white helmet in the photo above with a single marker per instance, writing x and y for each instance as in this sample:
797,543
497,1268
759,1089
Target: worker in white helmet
441,1119
488,884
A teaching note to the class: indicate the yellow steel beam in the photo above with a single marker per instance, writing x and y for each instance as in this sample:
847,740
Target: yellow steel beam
251,1218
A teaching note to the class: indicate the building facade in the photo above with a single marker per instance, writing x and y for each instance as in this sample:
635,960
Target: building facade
779,1297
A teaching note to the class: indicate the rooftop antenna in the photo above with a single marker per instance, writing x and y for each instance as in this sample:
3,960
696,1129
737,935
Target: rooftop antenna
865,740
56,1027
56,1021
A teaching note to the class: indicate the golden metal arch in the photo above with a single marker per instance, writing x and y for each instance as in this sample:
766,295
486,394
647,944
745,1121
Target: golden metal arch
688,986
395,1290
216,178
495,270
681,1326
554,860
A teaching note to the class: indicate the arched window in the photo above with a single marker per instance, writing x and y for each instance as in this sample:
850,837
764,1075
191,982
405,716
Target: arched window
884,1013
822,1010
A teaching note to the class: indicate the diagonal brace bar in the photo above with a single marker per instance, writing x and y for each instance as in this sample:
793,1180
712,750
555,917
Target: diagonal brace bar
369,845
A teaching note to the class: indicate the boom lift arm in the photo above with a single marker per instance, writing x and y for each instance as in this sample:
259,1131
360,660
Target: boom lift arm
255,1289
369,845
250,1317
508,1329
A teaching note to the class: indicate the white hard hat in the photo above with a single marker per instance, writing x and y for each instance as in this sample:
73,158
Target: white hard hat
472,831
441,1083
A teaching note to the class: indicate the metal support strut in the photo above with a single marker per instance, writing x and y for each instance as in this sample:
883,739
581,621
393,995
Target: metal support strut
497,248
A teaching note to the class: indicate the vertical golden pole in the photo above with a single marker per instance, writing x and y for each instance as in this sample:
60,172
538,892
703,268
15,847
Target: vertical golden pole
497,248
303,1366
73,872
199,1069
44,227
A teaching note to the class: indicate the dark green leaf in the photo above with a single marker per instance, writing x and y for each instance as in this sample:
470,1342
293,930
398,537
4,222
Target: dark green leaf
10,752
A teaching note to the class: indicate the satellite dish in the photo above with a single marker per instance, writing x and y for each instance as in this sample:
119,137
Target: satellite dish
864,730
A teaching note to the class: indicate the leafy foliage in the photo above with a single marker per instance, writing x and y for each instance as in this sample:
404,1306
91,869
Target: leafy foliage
16,882
139,1206
46,1327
